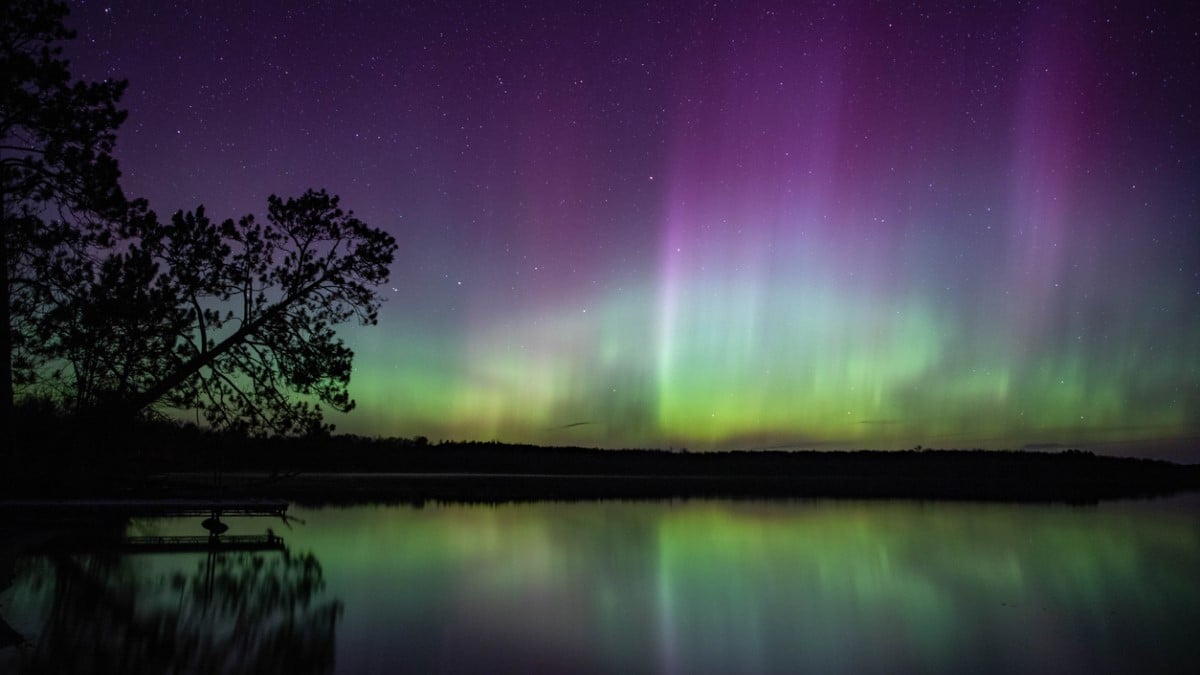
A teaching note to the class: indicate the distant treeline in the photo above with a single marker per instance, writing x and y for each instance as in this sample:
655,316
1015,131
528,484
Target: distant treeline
74,453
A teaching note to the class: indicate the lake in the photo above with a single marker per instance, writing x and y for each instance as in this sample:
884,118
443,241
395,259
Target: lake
631,587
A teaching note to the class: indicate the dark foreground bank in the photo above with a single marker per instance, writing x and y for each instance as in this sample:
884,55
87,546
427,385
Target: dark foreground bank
967,484
70,458
354,471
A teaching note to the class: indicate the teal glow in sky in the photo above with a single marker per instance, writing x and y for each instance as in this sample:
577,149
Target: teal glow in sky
718,226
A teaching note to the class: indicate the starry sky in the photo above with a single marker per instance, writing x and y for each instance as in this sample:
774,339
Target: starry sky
716,224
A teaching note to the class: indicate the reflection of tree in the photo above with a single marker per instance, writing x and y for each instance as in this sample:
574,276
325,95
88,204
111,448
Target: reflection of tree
239,613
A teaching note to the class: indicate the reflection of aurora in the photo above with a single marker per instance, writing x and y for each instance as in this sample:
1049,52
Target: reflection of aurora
720,587
237,613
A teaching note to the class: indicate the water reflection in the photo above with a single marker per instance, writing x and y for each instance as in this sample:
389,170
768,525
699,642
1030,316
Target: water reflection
232,612
688,587
728,587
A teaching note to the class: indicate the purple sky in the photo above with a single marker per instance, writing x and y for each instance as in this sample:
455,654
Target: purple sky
793,224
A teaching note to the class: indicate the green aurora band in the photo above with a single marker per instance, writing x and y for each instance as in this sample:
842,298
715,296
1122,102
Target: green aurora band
754,225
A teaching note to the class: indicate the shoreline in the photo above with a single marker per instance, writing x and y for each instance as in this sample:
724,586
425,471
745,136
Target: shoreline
198,491
498,473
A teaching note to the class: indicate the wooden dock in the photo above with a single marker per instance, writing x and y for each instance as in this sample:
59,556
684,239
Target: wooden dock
165,544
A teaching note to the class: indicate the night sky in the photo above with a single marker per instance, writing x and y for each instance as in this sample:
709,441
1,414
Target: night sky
716,225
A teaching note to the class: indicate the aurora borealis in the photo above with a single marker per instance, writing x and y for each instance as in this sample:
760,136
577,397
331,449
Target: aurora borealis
717,225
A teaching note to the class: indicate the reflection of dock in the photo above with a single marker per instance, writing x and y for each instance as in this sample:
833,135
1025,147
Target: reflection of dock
98,526
166,544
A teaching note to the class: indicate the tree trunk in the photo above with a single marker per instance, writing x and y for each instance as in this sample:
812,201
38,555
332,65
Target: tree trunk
6,342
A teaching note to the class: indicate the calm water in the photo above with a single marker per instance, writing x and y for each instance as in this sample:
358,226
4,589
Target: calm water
691,587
